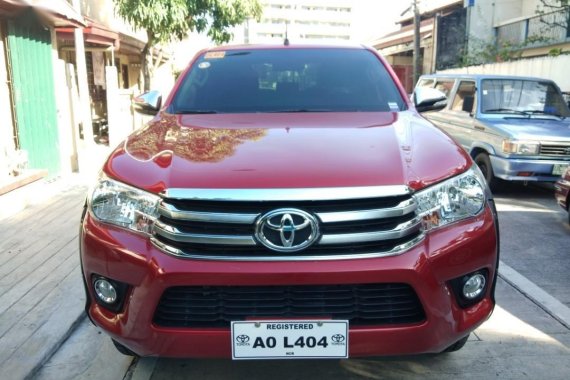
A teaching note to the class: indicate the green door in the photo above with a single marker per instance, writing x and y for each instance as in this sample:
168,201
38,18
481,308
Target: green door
29,46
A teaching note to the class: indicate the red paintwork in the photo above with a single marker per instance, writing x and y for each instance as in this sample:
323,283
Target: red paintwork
562,190
286,150
445,254
296,150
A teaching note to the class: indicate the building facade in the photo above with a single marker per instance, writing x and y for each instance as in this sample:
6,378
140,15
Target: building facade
300,21
471,32
438,19
47,127
29,128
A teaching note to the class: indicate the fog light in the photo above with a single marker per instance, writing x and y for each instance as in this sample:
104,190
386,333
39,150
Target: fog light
474,286
105,291
470,288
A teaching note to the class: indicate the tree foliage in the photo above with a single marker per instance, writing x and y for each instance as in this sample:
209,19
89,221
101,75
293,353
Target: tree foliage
168,20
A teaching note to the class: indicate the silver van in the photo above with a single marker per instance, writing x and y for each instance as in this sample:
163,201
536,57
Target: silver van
515,128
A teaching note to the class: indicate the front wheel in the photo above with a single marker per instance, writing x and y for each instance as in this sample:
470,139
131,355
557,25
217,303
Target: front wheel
484,163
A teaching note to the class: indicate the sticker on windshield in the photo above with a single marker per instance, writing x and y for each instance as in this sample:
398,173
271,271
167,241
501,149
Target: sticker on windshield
215,55
204,65
393,107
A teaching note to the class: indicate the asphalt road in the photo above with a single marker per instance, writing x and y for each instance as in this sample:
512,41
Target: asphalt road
523,339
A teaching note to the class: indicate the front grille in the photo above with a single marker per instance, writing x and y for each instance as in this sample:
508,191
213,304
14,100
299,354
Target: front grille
217,306
227,229
316,251
555,150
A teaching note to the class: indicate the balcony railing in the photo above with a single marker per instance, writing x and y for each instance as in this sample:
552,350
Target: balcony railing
538,31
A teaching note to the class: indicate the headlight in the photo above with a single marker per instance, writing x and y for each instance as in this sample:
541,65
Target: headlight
455,199
521,147
123,205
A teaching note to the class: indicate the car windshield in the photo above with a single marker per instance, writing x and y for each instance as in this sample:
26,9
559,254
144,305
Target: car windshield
522,97
287,80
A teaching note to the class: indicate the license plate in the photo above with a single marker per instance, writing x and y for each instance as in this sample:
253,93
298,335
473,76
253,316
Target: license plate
289,339
559,169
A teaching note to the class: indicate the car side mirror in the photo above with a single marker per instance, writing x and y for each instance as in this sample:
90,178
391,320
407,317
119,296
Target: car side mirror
148,103
429,99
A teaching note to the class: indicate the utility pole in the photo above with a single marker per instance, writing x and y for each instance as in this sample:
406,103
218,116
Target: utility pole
417,62
85,104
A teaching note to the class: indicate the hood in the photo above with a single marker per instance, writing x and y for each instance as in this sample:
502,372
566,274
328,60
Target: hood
533,128
286,150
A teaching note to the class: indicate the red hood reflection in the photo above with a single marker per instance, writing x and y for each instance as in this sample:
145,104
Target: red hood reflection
286,150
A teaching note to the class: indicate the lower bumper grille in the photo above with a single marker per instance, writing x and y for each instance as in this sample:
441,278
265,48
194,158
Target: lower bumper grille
217,306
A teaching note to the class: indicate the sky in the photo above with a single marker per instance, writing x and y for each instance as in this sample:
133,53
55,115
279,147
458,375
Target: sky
376,18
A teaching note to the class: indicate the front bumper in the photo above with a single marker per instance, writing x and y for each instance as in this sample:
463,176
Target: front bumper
445,254
508,169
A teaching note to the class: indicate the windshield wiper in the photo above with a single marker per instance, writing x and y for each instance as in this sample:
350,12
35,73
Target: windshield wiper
506,110
300,110
535,112
193,112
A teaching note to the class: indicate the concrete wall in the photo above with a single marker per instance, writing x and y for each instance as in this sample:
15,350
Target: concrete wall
555,68
485,14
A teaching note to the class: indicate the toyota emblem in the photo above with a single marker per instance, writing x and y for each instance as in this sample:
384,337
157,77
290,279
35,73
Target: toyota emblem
242,338
337,338
287,230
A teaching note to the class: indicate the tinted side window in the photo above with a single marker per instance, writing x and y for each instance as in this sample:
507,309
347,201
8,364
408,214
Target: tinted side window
276,80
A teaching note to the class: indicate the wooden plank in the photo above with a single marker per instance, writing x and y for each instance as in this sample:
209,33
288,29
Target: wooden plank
15,233
40,245
25,305
58,200
13,291
42,331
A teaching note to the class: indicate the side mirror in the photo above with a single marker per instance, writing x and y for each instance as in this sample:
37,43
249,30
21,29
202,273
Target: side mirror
148,103
429,99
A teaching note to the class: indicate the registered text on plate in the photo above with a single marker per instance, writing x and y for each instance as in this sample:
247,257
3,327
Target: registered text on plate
289,339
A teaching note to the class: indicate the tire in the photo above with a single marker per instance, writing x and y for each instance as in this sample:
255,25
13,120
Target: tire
457,345
122,349
484,163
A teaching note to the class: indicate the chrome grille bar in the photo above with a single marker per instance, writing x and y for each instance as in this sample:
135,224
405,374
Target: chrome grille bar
403,208
172,212
555,150
401,230
175,234
294,194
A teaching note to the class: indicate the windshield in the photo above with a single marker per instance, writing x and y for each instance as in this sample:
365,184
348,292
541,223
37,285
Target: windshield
287,80
526,97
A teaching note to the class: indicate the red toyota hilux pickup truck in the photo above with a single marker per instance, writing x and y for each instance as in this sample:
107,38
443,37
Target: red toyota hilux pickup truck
288,202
